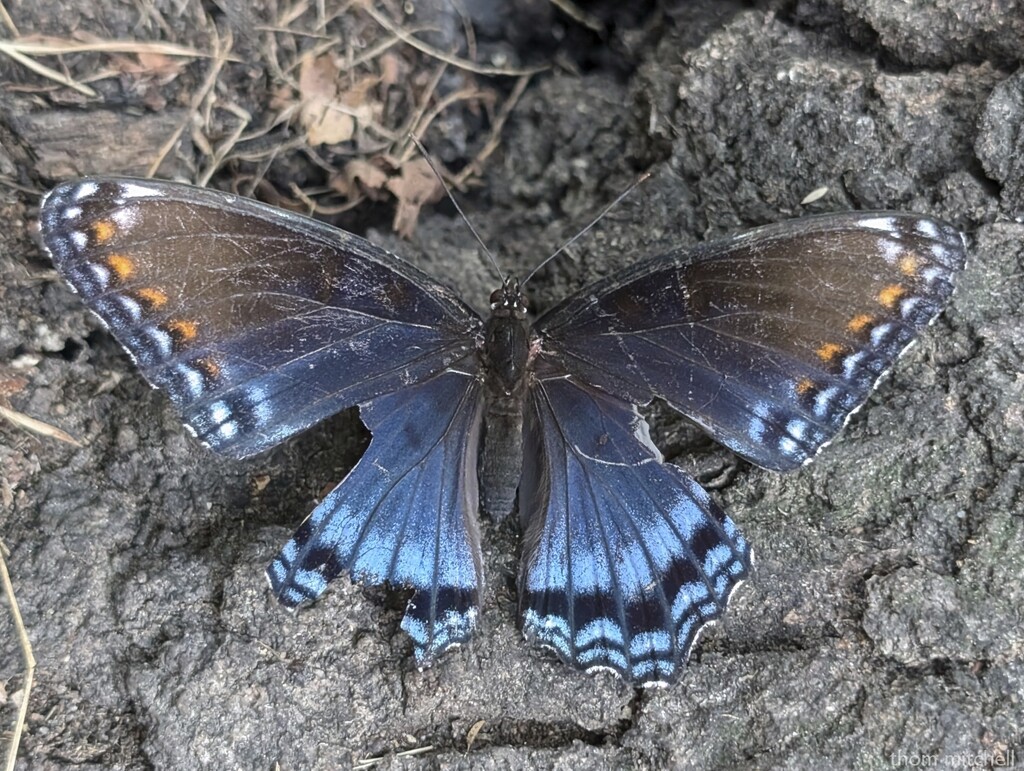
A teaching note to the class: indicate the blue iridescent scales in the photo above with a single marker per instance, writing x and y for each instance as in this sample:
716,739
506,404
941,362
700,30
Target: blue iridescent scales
259,323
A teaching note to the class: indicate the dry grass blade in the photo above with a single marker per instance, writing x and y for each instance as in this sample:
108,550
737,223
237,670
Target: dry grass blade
41,69
401,147
572,10
437,53
27,657
8,21
37,426
23,49
365,763
43,46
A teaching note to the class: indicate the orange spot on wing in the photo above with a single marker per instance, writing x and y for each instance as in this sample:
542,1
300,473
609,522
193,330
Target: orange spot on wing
805,386
182,331
891,295
909,264
829,351
122,266
209,367
103,231
860,322
154,298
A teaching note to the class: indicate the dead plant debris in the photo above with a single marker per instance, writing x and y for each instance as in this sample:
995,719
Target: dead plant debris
349,84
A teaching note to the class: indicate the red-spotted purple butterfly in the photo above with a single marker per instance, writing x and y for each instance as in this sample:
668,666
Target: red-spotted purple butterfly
259,323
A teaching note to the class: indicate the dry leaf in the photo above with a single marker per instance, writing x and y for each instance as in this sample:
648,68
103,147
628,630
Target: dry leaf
391,69
165,68
282,98
472,733
360,177
328,116
318,90
417,185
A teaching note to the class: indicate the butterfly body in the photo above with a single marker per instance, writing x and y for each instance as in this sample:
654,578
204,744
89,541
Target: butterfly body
258,323
506,360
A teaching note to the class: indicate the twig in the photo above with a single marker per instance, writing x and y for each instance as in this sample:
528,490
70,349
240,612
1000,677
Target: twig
437,53
225,147
220,59
464,94
421,107
30,665
494,139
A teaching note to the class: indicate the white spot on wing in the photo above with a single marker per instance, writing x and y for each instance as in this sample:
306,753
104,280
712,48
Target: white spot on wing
85,190
927,228
161,342
72,212
100,273
888,224
193,380
219,411
907,306
796,429
789,447
129,306
880,333
260,403
133,190
823,401
890,250
852,362
125,217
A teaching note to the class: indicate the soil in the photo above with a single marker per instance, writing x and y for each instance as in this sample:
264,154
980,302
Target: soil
882,625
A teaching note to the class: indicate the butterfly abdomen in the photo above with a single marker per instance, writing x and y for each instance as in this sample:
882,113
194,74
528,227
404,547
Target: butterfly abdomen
504,359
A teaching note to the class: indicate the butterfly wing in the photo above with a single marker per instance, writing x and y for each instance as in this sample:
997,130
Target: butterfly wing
256,322
405,515
625,558
769,340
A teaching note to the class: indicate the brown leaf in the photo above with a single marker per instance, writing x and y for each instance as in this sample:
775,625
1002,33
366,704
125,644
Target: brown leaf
330,116
166,68
473,732
391,69
416,185
318,90
360,177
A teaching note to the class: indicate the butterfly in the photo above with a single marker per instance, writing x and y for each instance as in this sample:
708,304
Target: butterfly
258,323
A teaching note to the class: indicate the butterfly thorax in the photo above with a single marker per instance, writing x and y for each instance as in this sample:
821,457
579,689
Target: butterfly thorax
504,357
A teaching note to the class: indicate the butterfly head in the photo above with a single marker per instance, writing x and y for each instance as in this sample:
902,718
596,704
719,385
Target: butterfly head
509,301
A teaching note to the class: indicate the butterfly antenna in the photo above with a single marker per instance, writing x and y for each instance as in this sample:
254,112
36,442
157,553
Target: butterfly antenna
448,192
636,183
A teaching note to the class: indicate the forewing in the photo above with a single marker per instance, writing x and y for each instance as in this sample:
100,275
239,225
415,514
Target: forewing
625,558
769,340
257,323
405,515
